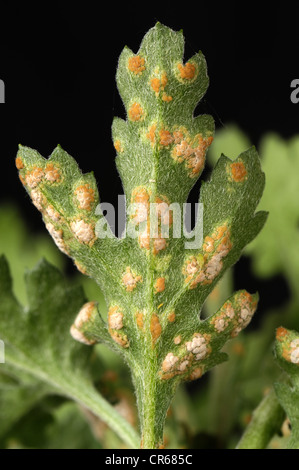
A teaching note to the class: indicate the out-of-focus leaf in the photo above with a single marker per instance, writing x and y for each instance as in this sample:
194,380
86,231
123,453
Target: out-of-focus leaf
23,249
276,249
229,140
38,343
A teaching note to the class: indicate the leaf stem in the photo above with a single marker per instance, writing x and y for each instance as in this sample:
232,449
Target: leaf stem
152,400
267,419
89,398
101,408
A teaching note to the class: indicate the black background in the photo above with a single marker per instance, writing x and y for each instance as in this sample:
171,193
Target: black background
58,64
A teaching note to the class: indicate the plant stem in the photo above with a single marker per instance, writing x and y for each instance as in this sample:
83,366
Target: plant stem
90,399
101,408
146,390
267,419
152,400
150,435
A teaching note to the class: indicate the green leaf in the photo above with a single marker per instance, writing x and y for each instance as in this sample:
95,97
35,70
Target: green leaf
37,343
70,430
17,398
155,284
62,426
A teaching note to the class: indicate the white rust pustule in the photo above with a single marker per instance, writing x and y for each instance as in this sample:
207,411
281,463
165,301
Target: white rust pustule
85,196
83,231
115,318
57,235
83,317
116,325
199,346
206,266
130,279
38,199
169,362
222,320
246,308
294,356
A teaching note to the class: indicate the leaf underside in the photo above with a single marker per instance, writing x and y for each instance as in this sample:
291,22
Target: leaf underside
155,285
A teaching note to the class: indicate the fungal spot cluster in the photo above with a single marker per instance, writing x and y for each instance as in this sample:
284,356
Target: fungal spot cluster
191,151
235,314
115,324
169,362
290,345
139,320
237,172
185,360
35,179
81,321
130,280
165,137
151,134
51,213
204,268
85,196
38,199
52,173
171,317
163,212
155,328
196,373
118,146
158,83
187,72
57,235
177,339
184,148
34,176
83,231
223,319
19,163
159,285
166,98
198,346
136,112
294,351
136,64
141,198
245,308
281,333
